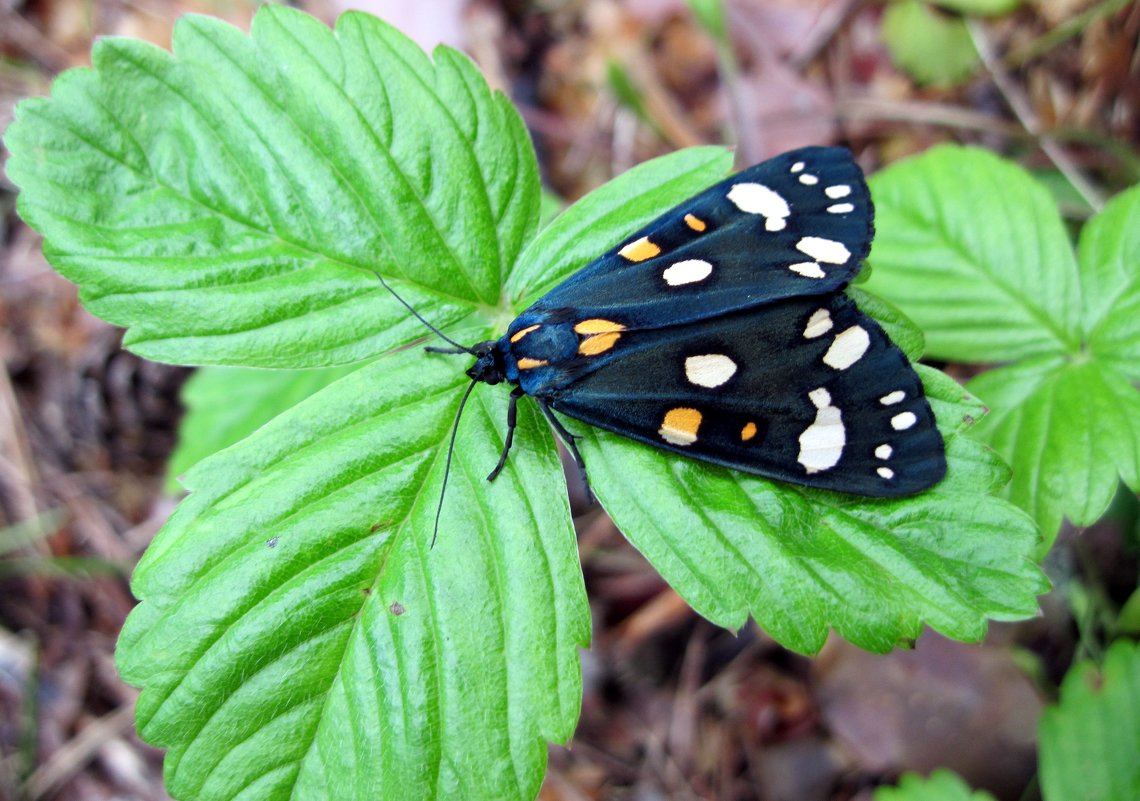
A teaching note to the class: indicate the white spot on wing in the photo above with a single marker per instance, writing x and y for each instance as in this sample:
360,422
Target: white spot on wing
848,348
759,199
837,191
886,472
798,166
808,180
710,370
808,269
892,398
840,208
818,324
677,437
822,442
903,421
821,249
884,451
686,272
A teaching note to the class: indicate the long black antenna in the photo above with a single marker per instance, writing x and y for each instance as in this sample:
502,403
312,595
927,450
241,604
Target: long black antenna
416,314
447,466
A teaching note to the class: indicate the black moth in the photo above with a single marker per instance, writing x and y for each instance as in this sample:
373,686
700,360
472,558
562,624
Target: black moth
721,332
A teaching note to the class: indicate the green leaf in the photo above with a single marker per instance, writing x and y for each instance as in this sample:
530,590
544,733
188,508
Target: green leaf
930,47
804,561
225,404
974,251
1089,743
227,202
979,7
299,637
1109,253
1070,430
941,785
610,213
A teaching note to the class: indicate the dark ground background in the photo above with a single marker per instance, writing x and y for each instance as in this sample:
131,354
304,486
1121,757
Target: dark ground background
675,708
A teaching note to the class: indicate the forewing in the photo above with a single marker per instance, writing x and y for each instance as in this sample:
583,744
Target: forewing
808,390
798,224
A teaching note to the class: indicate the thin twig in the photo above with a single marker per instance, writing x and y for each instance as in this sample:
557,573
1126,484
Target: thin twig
829,21
1019,103
77,752
920,112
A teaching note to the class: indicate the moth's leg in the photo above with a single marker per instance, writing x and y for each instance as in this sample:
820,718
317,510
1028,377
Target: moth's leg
571,446
512,421
434,349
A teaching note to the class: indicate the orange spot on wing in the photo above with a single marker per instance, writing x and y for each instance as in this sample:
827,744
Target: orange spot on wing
639,250
598,343
680,426
748,432
527,364
517,335
598,326
696,223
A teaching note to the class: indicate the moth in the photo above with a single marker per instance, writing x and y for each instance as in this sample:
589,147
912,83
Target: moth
721,332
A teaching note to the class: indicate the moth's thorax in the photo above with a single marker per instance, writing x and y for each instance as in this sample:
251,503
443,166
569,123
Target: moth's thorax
553,343
534,341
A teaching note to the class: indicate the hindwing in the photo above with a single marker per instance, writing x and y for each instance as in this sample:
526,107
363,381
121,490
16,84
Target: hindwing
806,390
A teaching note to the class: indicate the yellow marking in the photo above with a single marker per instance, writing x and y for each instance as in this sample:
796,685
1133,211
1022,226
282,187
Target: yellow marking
696,223
517,335
639,250
748,432
598,343
680,426
527,364
598,326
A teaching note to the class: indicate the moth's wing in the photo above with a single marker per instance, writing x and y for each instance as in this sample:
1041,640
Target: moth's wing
808,390
798,224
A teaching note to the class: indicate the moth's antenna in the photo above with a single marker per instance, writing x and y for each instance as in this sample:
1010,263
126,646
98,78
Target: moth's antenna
447,466
416,314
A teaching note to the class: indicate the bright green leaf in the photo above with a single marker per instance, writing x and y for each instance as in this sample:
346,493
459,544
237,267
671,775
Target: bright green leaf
1110,283
227,202
299,637
974,251
941,785
610,213
1071,431
225,404
932,48
1090,742
803,562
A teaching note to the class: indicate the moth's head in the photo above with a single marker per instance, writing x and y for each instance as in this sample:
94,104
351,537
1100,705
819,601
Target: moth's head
488,366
